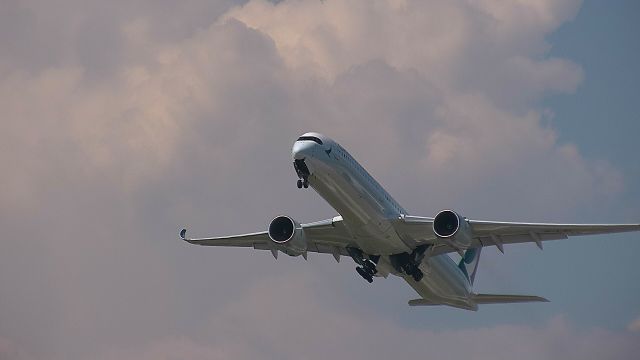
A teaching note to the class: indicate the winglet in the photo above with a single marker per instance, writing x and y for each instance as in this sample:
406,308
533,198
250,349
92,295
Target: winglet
183,234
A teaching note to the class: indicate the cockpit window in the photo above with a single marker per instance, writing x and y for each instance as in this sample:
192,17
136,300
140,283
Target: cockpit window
310,138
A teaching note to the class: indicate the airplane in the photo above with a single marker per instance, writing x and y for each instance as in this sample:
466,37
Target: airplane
383,239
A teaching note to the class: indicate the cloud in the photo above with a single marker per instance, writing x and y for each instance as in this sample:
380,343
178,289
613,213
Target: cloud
250,73
634,325
470,46
457,79
253,328
121,123
10,351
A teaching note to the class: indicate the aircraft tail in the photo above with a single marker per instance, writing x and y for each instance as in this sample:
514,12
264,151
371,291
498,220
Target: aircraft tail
469,263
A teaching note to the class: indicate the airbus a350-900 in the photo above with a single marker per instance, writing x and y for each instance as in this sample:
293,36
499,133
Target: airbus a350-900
383,239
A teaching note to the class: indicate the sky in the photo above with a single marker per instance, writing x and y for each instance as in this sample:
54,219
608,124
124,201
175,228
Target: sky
122,122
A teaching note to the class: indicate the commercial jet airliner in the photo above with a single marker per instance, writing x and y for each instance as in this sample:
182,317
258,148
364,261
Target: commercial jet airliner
382,239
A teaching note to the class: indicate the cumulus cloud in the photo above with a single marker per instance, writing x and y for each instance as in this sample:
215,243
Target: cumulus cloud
251,73
457,66
121,123
481,46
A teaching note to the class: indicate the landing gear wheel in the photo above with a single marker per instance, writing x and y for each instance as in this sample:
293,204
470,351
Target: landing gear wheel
299,184
305,183
417,275
370,267
365,274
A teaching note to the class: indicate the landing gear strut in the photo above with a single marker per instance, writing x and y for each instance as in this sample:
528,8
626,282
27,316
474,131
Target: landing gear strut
367,268
303,173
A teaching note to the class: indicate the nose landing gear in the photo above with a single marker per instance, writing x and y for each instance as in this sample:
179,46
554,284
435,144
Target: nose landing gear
303,183
303,173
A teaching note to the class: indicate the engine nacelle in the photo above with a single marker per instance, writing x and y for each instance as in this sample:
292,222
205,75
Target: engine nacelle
454,228
288,236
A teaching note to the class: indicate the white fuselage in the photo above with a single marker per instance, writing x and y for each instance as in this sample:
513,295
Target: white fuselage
369,212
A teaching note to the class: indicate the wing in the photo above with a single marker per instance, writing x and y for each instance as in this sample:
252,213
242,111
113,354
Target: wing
244,240
499,233
488,233
327,236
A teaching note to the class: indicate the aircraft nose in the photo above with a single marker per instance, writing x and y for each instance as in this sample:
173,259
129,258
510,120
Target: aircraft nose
303,149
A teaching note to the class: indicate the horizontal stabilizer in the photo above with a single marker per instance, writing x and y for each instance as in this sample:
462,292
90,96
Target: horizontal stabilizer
427,302
423,302
506,299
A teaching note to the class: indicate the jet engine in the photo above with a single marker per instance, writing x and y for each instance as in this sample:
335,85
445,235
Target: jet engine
454,228
288,236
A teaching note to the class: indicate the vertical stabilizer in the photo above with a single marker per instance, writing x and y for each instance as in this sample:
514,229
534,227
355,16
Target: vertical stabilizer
469,263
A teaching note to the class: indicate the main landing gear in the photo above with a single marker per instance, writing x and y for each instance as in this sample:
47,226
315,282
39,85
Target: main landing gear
366,273
413,271
367,268
408,263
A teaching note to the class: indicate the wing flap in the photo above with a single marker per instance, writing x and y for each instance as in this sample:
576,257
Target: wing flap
518,238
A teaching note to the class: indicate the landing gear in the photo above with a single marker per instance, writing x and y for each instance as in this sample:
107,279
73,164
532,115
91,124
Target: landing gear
365,274
367,268
413,271
303,173
409,263
370,267
416,274
303,183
